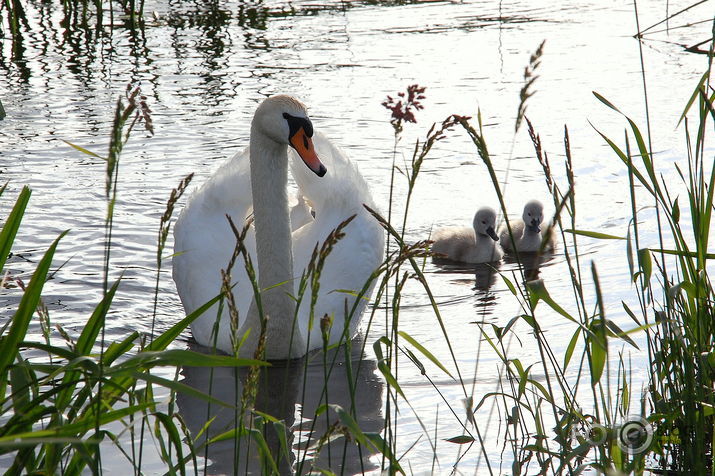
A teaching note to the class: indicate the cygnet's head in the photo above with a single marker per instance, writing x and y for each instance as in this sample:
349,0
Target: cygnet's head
533,215
484,223
284,119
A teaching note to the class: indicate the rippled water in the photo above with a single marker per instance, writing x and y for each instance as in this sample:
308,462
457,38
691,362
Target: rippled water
205,67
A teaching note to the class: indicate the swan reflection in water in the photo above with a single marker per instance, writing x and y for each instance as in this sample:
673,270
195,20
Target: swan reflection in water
288,390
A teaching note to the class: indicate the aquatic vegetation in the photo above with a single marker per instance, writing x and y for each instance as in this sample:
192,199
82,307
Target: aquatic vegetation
673,427
58,399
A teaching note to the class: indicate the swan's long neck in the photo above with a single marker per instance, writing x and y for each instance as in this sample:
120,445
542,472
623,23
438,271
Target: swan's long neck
269,179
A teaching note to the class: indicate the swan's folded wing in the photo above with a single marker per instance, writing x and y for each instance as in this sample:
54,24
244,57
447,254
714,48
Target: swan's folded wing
204,241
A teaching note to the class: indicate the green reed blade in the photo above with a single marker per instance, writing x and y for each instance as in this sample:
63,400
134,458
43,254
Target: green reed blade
117,349
424,351
86,341
646,265
571,347
89,334
61,352
25,311
172,333
9,230
179,387
624,158
83,150
180,357
594,234
174,438
696,92
598,350
76,428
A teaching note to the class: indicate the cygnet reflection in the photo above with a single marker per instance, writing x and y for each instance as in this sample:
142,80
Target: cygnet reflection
485,274
287,390
530,262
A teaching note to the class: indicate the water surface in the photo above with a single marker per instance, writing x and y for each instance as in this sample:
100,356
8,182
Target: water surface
205,67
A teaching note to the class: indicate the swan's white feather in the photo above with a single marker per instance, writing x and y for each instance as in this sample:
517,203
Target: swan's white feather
335,197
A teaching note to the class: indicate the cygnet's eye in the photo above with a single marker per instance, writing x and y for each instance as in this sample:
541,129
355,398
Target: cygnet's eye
483,222
529,214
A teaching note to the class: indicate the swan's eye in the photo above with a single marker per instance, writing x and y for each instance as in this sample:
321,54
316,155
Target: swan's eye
297,123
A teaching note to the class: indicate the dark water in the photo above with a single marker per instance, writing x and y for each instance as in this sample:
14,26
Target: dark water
205,66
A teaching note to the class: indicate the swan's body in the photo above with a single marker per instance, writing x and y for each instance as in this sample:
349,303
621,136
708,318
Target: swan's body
478,244
255,182
527,231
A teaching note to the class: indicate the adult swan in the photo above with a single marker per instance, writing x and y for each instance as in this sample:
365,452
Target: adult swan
255,182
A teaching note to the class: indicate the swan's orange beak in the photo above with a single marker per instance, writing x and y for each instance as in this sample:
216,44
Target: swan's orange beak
304,146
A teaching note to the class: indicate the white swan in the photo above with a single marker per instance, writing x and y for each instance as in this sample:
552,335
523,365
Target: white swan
255,181
527,231
470,245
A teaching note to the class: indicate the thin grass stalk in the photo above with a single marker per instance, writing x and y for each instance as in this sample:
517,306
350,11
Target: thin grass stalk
681,321
250,387
313,275
648,129
423,281
478,139
559,201
116,144
573,263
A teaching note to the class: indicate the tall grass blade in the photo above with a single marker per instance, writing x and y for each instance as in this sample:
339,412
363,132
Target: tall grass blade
12,224
624,158
179,387
25,310
79,427
83,150
598,353
172,333
646,265
180,357
595,234
174,438
424,351
696,93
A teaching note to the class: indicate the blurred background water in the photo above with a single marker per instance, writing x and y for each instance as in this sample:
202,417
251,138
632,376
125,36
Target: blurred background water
205,66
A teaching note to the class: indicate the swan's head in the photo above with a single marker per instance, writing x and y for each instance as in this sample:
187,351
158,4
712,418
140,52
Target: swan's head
533,215
284,120
485,221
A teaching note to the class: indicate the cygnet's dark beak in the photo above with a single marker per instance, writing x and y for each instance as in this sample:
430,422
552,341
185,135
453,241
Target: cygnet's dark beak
492,234
535,225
